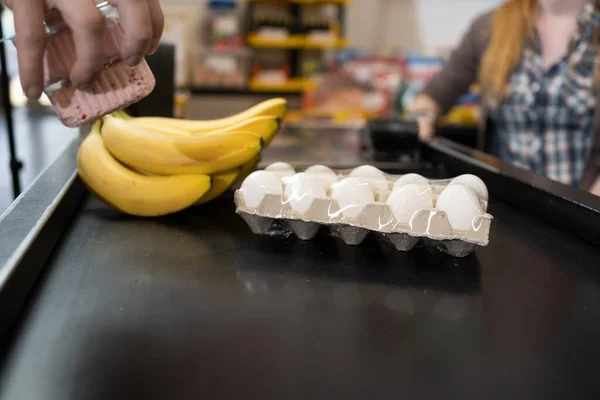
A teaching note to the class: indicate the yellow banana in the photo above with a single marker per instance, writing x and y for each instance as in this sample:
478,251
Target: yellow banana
264,126
276,107
121,114
157,153
133,193
220,183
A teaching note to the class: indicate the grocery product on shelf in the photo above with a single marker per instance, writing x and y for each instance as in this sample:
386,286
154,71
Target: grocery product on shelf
320,23
149,170
359,88
224,28
449,215
270,67
419,70
223,61
274,26
466,111
316,26
182,97
227,69
292,29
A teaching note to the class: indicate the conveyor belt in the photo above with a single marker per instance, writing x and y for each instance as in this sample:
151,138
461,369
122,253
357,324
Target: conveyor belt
196,306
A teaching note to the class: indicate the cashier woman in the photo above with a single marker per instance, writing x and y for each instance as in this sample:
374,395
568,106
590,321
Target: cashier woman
537,63
142,22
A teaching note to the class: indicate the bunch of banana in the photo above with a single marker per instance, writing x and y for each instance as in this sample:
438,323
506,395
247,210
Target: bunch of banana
152,166
271,108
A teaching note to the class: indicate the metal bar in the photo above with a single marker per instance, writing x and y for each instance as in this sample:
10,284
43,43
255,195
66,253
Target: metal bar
342,21
569,209
15,163
295,54
31,227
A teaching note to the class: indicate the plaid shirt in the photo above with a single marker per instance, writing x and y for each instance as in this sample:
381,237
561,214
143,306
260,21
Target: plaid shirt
546,123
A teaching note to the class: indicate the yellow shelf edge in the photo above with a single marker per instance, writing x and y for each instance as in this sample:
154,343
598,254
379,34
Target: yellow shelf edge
295,42
317,44
290,86
287,43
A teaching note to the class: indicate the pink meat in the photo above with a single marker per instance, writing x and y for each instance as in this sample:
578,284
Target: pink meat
117,86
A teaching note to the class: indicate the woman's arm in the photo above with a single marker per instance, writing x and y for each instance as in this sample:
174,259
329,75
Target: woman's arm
459,72
461,69
595,189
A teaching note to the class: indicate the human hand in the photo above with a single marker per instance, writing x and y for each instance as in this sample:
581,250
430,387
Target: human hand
424,109
425,127
596,187
142,22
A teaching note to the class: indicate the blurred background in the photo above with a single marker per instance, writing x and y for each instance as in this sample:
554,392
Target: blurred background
338,62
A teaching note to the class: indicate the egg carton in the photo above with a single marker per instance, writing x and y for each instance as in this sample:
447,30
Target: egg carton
429,226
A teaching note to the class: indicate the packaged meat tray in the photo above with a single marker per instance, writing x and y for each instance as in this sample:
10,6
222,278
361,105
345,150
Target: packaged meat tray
406,210
117,86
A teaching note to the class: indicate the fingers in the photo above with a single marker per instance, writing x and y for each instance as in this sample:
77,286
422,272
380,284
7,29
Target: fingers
137,24
425,128
88,26
142,22
30,42
596,187
158,21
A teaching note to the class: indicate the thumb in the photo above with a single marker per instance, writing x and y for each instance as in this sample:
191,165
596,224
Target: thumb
425,128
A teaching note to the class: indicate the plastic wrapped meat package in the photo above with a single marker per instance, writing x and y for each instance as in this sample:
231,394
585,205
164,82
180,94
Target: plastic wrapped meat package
117,86
406,210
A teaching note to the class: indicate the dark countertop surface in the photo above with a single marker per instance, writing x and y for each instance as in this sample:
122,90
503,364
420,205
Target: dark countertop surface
195,306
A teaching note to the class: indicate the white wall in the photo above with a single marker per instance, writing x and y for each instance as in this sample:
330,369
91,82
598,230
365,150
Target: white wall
443,22
413,24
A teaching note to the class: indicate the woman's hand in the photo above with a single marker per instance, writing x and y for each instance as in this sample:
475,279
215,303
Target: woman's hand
142,22
425,110
596,187
425,127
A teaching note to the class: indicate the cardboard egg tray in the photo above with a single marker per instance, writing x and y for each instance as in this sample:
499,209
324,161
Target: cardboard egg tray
430,227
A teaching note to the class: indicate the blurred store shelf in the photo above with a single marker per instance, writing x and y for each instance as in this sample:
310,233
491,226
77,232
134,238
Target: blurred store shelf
292,85
259,89
295,42
309,2
290,42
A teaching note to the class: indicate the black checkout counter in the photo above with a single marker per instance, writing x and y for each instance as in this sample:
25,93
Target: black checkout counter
95,304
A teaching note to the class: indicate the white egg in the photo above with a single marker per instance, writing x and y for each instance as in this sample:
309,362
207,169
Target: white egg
279,166
320,169
282,169
301,190
367,171
377,184
411,178
462,206
408,199
258,184
327,180
352,196
474,183
326,174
